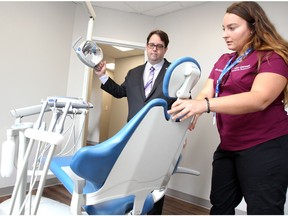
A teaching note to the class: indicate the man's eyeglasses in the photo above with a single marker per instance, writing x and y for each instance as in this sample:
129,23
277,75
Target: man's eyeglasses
158,46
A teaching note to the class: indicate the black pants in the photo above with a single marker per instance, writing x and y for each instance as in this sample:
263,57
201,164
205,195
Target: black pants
157,208
259,174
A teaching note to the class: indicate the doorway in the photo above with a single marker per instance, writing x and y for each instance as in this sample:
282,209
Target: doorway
113,114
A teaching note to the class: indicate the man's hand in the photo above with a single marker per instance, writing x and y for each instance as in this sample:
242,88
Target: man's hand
100,69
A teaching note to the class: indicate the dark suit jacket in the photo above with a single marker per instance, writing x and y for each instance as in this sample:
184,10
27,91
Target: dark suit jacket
133,89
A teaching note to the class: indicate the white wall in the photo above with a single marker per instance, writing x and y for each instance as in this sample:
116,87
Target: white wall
36,40
37,61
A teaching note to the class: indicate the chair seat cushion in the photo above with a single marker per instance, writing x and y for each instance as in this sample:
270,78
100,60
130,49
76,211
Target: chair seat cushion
55,167
118,206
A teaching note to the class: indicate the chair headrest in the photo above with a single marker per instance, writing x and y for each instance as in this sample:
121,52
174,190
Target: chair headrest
181,76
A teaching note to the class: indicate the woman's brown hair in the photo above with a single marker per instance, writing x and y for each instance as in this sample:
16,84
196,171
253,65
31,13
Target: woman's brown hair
264,34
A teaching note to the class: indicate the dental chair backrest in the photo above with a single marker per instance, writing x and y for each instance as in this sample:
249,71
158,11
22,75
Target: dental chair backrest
142,156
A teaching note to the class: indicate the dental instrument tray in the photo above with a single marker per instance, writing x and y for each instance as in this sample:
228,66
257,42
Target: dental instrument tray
77,103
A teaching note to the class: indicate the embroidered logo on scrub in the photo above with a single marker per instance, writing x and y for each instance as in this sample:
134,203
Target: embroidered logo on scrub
237,68
241,68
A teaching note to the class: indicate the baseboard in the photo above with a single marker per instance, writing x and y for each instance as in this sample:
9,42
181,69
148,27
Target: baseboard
195,200
189,198
91,143
8,190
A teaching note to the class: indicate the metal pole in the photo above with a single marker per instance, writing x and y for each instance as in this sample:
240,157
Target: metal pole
88,78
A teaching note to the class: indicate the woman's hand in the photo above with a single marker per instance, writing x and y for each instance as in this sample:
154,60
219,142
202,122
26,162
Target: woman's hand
183,109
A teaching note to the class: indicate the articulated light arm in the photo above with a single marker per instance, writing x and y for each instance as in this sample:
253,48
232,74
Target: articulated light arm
90,9
88,74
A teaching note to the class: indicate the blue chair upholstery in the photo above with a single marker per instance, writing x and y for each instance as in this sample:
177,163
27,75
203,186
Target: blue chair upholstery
103,157
120,173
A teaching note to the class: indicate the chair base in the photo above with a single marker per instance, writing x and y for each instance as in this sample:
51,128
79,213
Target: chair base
47,207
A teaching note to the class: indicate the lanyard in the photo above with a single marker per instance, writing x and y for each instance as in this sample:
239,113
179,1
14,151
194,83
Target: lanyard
228,67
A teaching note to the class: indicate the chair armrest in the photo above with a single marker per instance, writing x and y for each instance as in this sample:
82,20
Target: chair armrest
79,183
184,170
78,198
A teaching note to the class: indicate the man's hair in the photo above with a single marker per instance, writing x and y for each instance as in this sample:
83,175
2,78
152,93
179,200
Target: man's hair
163,36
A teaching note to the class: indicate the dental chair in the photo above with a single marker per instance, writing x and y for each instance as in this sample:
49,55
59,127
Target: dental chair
129,172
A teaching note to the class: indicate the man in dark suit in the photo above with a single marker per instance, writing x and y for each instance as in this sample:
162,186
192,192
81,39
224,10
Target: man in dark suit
137,82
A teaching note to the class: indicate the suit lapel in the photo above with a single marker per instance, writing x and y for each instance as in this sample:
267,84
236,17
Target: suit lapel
141,81
161,75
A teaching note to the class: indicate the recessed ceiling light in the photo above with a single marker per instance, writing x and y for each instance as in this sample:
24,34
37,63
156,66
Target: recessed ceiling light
123,49
110,66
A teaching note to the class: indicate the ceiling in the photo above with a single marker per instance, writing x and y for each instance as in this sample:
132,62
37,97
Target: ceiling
148,8
110,51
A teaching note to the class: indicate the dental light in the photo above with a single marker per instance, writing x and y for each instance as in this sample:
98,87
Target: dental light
88,52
